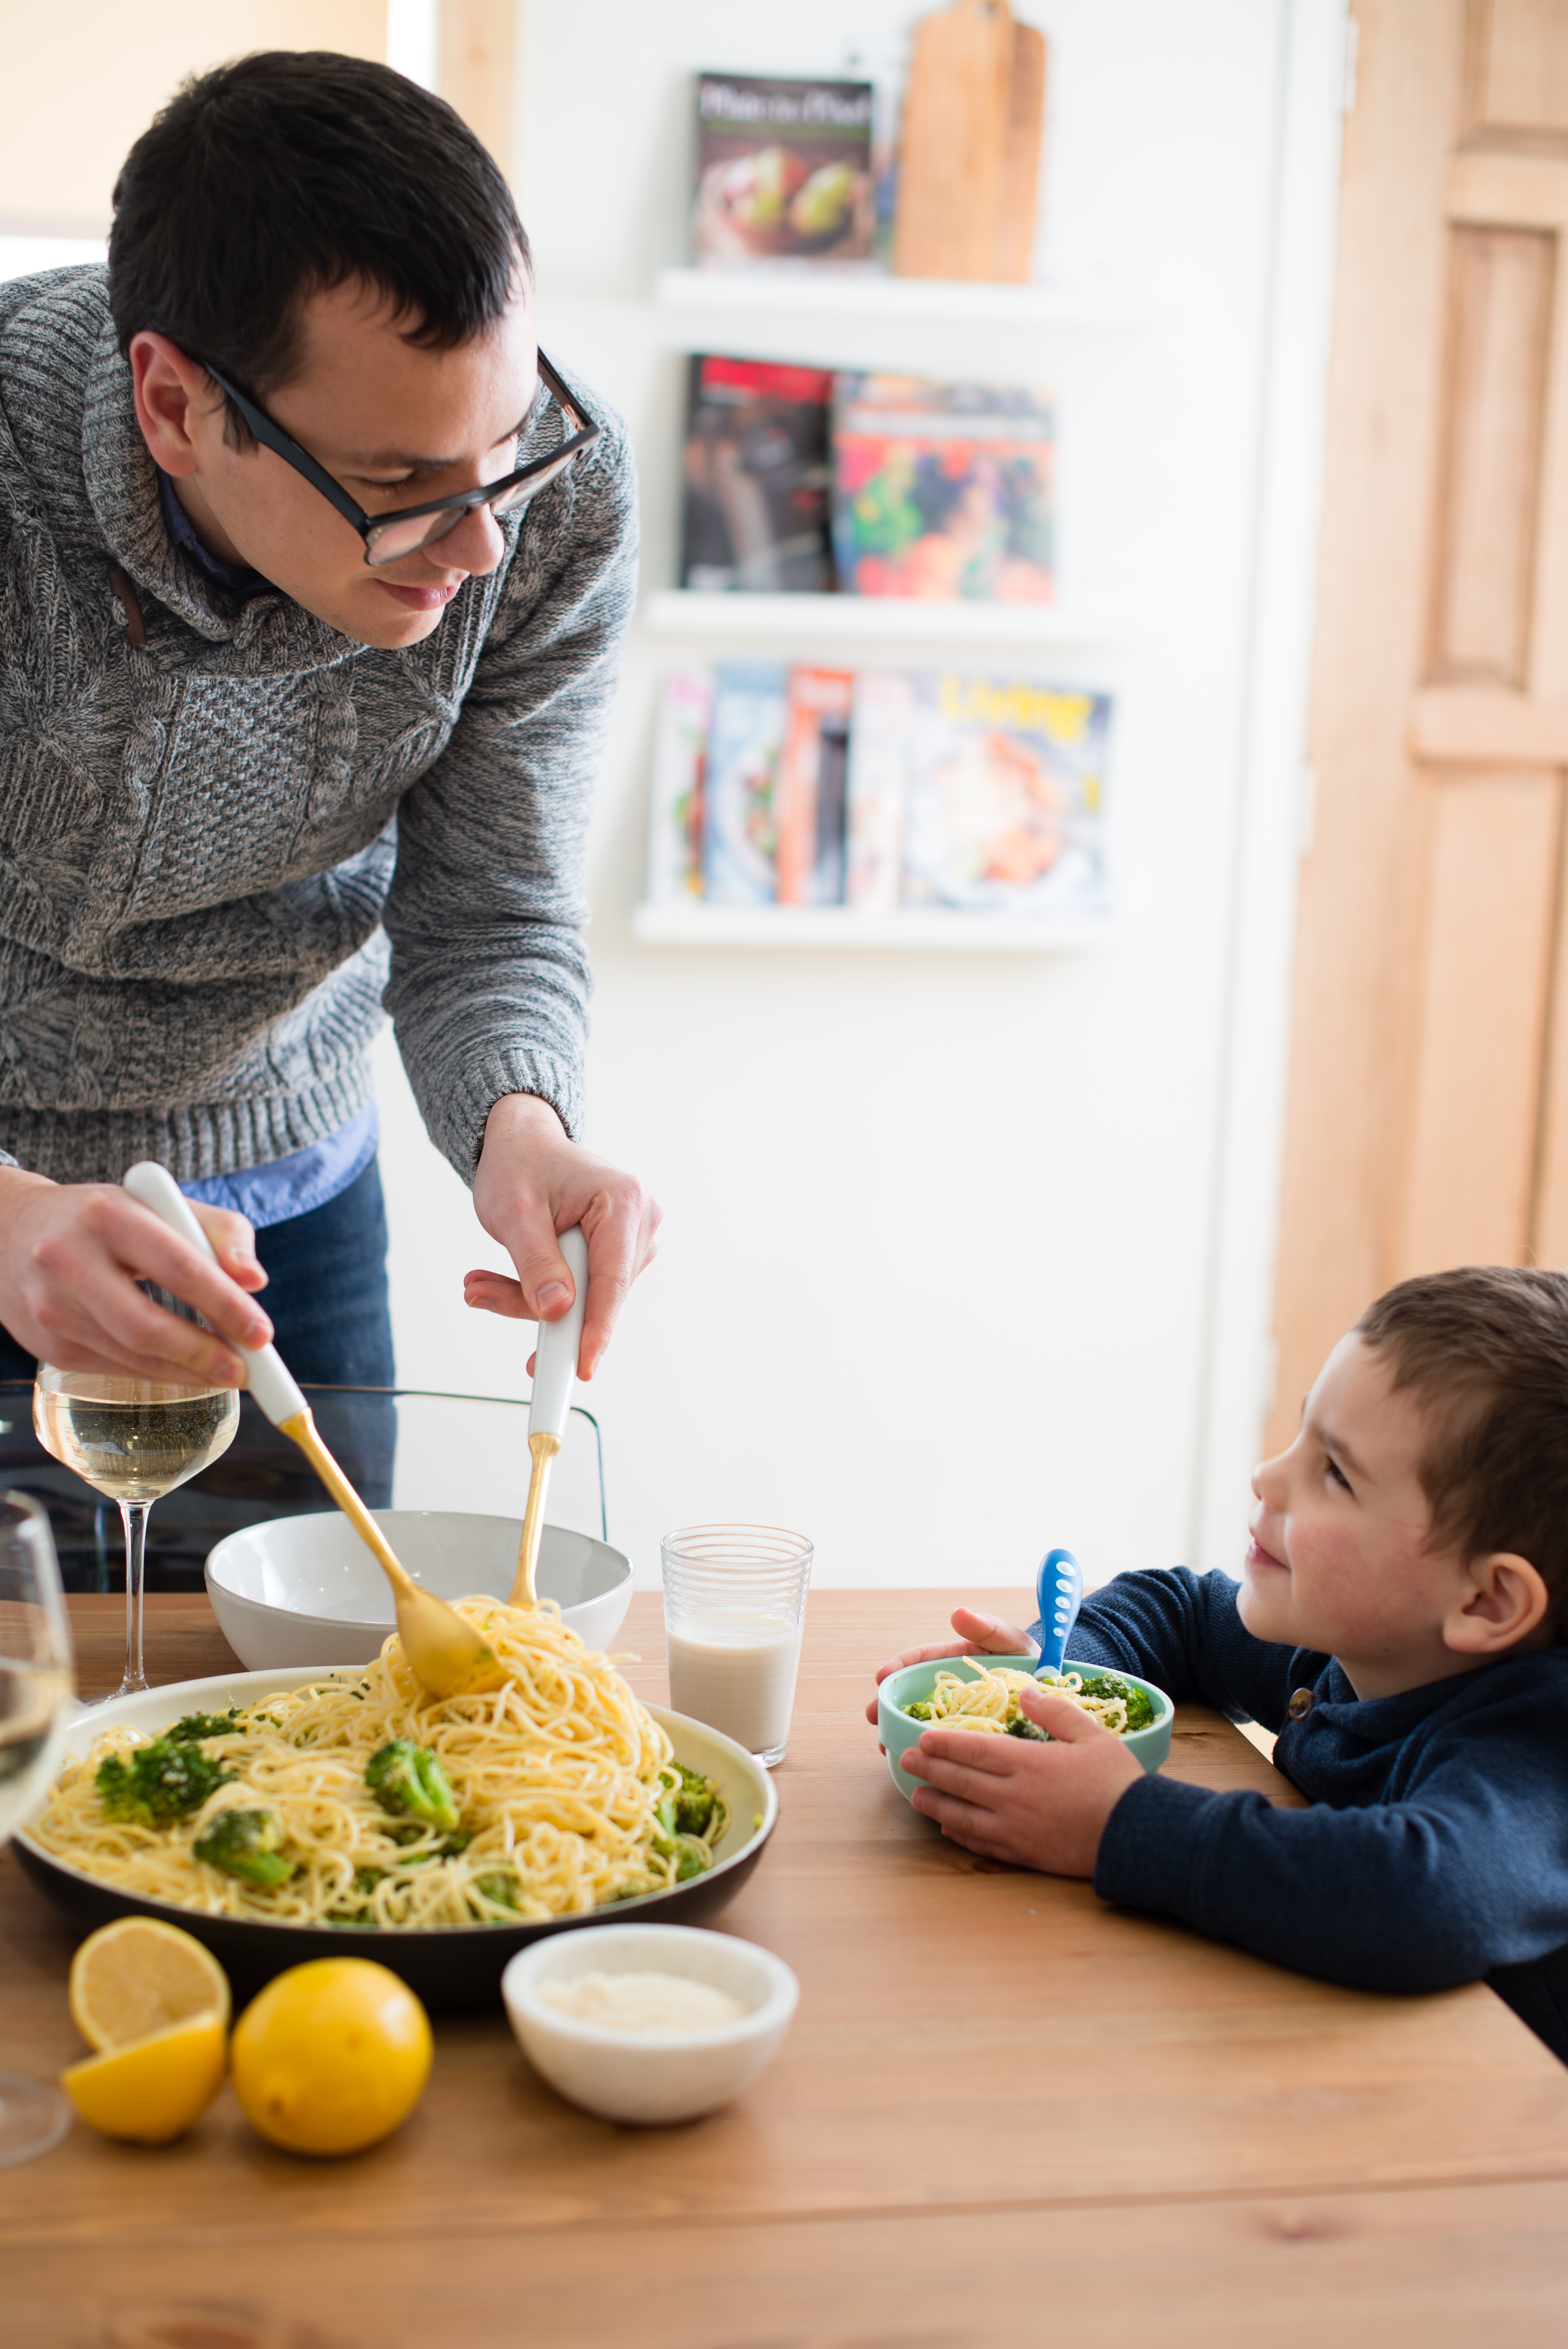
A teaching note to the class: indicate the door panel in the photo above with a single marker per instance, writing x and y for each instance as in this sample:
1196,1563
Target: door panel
1500,307
1490,896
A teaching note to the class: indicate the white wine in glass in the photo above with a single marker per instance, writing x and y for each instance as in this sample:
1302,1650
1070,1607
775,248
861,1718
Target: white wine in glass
134,1440
34,1708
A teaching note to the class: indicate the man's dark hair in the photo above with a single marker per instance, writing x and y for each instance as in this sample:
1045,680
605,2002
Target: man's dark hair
286,173
1484,1350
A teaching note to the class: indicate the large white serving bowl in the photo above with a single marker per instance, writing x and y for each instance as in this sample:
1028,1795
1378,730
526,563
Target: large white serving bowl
650,2076
305,1591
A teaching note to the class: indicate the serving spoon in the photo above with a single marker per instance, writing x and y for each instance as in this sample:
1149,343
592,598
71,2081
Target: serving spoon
445,1654
1059,1592
555,1368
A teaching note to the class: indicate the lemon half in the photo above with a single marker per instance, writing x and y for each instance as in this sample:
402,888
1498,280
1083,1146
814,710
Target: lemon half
154,2088
138,1976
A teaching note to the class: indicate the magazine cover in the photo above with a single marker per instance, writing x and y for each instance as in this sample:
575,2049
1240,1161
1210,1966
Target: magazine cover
756,513
881,714
942,489
675,813
783,170
1006,790
740,840
811,787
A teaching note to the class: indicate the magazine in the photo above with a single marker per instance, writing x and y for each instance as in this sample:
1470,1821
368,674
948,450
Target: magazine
757,478
811,787
675,827
1005,795
783,170
740,843
942,489
878,788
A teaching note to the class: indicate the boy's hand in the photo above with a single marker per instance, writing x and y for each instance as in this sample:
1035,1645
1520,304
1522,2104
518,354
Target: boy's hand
979,1635
1010,1798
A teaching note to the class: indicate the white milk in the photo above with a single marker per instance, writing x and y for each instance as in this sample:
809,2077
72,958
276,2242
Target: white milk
736,1671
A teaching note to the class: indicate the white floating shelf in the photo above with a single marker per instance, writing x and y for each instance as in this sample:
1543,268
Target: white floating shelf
864,619
872,294
845,927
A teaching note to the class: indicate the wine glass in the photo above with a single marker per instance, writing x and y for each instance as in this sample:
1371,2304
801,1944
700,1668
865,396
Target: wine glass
34,1708
134,1440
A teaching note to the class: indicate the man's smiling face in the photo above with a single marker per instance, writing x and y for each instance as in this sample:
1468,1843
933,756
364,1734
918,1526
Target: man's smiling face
1340,1559
396,425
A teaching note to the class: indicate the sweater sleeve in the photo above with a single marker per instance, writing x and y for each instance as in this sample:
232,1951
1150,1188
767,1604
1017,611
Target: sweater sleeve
1182,1630
489,984
1467,1871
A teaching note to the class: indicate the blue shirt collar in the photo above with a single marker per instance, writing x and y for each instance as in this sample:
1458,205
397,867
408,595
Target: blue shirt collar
235,578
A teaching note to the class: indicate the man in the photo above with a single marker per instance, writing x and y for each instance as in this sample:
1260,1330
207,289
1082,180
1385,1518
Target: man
269,759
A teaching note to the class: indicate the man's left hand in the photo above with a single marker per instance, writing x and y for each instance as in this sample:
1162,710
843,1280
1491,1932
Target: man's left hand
1011,1799
532,1182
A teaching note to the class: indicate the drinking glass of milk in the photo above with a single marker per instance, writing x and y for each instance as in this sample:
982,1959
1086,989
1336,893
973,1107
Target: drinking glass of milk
734,1602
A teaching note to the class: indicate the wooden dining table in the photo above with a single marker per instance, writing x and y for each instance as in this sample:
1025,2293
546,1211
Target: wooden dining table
1004,2112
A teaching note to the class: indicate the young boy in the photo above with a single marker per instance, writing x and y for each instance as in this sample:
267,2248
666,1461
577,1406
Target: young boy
1398,1623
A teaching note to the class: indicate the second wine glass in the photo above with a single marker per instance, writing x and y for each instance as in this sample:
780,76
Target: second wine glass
133,1440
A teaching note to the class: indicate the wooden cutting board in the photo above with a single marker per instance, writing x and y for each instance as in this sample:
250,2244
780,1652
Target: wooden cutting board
969,158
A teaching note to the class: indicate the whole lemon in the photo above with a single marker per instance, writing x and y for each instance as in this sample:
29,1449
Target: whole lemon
330,2057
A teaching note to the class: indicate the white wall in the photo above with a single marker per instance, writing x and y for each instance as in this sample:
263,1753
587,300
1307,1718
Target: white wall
966,1255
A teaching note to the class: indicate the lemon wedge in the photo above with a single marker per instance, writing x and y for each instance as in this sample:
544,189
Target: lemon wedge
330,2057
134,1978
151,2089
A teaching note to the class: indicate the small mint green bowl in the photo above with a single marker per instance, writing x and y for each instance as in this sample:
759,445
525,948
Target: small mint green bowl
897,1730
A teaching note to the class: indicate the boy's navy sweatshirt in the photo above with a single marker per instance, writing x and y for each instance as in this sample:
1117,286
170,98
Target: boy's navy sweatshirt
1437,1849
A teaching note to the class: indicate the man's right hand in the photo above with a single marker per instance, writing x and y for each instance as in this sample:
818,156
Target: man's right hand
70,1256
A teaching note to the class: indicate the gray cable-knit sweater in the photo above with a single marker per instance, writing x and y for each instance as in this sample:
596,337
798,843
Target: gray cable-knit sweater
223,849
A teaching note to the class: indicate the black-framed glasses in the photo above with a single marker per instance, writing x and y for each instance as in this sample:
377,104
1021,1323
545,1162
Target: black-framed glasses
389,537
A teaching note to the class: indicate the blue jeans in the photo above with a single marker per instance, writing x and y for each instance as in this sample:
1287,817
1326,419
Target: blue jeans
326,1292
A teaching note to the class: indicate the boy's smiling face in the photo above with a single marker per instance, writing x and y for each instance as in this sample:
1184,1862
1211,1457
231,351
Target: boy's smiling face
1340,1558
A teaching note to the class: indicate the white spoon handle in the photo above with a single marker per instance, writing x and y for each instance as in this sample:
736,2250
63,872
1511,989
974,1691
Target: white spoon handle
555,1352
154,1188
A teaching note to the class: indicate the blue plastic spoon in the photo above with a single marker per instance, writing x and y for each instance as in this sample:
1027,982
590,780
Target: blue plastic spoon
1060,1591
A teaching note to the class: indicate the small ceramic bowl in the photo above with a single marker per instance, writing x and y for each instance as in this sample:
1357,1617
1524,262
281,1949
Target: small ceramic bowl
897,1730
649,2077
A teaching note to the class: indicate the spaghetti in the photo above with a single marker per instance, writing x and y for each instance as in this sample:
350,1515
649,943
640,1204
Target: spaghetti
989,1703
565,1794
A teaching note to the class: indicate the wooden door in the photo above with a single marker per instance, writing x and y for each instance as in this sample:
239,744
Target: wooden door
1428,1113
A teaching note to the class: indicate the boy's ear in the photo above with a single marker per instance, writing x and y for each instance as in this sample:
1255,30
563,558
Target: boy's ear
1508,1602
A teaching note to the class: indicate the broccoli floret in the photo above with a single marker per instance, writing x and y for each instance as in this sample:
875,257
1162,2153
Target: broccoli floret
688,1809
245,1844
407,1777
1140,1705
690,1857
197,1726
1024,1727
919,1708
500,1886
366,1878
159,1783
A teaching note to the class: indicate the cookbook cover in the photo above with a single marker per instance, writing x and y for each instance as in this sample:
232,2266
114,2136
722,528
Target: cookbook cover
756,513
784,171
811,787
740,839
1006,792
881,716
943,490
679,762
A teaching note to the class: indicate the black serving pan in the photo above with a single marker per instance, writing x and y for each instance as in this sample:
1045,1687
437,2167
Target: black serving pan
449,1967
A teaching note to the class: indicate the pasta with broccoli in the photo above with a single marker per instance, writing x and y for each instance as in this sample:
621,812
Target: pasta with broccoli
989,1700
357,1801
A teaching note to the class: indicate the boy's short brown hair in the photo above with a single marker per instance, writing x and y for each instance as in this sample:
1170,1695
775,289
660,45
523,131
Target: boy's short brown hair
1485,1350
